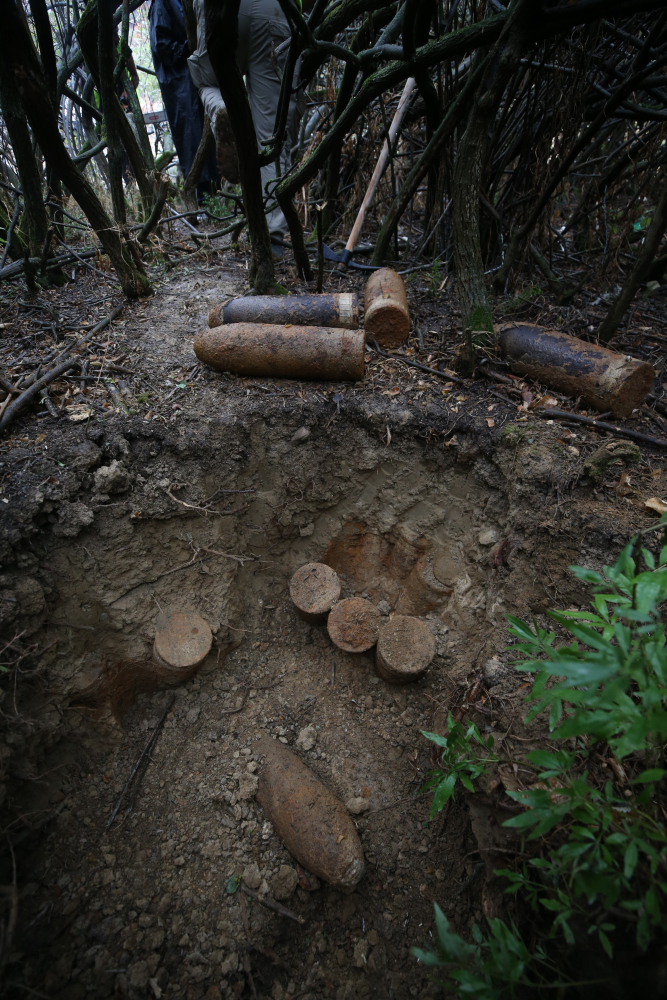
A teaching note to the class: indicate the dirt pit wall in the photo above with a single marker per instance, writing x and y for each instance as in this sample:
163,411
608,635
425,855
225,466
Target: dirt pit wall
214,517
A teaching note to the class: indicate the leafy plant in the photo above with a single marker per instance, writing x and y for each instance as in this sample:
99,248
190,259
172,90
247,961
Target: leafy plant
491,966
458,760
603,857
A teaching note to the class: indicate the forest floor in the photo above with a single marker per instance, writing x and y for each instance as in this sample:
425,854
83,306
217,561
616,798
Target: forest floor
461,503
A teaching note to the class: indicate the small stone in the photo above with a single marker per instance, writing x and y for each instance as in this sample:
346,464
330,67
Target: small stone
373,938
248,785
384,607
251,876
284,883
341,956
597,464
360,953
377,960
112,478
300,436
137,975
252,766
356,806
179,862
493,671
489,536
307,738
277,992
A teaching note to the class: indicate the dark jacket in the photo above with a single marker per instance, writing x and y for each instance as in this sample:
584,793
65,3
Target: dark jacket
169,45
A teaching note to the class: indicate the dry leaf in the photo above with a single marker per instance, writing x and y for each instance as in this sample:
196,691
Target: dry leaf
461,399
656,473
391,392
490,422
77,412
447,387
388,436
654,503
624,487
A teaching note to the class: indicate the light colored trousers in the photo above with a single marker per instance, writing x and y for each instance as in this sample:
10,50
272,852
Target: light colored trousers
262,28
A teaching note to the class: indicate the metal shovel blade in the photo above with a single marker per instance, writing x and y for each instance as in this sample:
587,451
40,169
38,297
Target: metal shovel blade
346,258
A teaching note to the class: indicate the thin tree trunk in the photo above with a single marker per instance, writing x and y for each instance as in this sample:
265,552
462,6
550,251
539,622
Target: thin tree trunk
106,63
87,33
639,272
504,58
455,113
222,30
18,57
198,164
19,136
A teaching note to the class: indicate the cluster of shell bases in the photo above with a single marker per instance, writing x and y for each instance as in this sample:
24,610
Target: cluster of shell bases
305,336
404,646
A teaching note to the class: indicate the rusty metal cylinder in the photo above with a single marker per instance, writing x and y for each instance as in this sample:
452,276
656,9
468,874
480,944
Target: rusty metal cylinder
303,310
271,351
602,378
386,314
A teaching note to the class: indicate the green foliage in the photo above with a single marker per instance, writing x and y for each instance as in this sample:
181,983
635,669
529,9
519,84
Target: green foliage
521,300
490,969
603,855
459,761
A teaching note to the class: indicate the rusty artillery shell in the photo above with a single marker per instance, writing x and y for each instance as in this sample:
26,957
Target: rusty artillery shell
270,351
314,590
182,642
405,648
302,310
386,315
603,379
353,625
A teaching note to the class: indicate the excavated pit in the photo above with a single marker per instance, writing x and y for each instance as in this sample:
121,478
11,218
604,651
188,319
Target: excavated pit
211,510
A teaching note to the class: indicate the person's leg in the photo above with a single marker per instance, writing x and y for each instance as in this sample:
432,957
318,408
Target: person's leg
268,29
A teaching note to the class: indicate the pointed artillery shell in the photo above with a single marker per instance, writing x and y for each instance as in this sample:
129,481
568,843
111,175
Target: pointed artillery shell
603,379
270,351
313,824
314,590
386,315
341,310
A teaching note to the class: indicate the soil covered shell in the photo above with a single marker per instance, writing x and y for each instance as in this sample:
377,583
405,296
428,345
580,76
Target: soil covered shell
353,625
313,824
314,590
182,641
405,648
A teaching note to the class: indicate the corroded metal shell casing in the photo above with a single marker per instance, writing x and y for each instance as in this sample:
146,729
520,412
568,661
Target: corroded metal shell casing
603,379
405,648
183,640
386,314
271,351
314,590
302,310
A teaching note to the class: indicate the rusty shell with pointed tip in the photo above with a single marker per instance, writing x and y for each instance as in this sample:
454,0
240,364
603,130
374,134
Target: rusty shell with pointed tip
602,378
386,314
272,351
312,823
303,310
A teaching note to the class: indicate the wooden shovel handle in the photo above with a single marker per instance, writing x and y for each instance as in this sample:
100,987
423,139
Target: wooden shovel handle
381,163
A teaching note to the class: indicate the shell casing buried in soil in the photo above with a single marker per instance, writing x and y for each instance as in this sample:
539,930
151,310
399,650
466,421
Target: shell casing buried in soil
183,640
313,824
405,648
272,351
386,314
603,379
314,590
340,310
353,624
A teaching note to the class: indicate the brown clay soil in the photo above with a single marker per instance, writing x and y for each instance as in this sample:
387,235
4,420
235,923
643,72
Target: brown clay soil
206,496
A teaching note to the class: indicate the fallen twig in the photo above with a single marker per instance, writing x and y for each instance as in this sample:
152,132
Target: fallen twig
415,364
272,905
601,425
139,768
21,401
